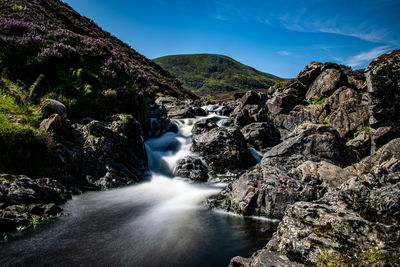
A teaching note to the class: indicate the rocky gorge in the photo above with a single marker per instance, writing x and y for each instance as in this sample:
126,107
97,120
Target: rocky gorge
319,153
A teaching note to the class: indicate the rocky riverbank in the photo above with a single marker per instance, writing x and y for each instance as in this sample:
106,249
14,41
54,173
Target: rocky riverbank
333,177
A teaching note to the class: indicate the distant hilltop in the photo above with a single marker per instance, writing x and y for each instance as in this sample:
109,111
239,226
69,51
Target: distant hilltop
209,72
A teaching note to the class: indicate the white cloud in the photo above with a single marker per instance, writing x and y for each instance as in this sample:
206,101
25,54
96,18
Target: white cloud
219,17
366,56
283,53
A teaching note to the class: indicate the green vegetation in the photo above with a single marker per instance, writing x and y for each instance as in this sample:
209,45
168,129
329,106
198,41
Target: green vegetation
316,100
330,259
207,72
17,8
370,256
367,127
280,84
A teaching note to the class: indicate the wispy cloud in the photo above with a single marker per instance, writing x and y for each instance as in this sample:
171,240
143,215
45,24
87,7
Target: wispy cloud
321,16
283,53
222,18
366,56
363,31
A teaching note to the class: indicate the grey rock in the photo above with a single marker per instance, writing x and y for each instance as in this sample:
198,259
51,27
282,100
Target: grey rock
222,148
264,258
278,180
261,135
191,168
310,73
52,124
383,81
51,106
326,83
24,198
361,215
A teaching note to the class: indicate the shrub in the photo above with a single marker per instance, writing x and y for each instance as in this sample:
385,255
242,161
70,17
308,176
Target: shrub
17,8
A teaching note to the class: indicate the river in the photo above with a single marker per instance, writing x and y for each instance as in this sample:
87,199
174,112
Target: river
161,222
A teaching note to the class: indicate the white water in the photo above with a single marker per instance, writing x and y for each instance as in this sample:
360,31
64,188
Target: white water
156,223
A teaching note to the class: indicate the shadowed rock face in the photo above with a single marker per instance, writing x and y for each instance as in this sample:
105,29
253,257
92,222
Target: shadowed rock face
22,199
223,149
383,80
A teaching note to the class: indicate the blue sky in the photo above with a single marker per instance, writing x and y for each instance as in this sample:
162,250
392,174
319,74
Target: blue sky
279,37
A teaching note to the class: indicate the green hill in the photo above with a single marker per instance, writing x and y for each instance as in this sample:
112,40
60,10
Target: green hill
207,72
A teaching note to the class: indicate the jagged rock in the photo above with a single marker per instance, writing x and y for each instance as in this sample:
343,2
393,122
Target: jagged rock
361,216
275,182
251,108
205,125
181,112
298,116
322,171
326,83
349,117
23,198
166,101
228,108
310,73
264,258
192,168
51,106
282,103
105,153
361,143
222,148
160,126
251,98
261,134
383,81
52,124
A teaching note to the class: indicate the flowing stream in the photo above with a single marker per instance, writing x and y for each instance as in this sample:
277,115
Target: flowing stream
161,222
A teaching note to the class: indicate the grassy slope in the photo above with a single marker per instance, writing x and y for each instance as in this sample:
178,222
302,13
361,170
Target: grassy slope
207,72
47,50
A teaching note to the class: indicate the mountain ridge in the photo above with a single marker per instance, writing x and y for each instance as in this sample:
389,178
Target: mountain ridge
214,72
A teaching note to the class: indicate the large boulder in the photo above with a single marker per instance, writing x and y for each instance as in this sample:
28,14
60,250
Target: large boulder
383,81
222,148
51,106
361,218
282,103
251,108
326,83
104,154
346,111
261,135
303,167
310,73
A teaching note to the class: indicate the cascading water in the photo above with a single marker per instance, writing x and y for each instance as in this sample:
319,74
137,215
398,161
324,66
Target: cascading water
155,223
